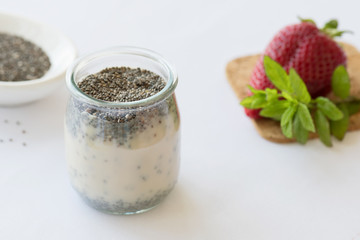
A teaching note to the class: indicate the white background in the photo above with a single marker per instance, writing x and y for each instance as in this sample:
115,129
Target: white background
233,184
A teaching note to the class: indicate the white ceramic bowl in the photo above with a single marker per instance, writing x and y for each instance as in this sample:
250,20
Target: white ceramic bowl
58,47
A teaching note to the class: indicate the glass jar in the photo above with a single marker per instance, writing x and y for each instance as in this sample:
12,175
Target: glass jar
122,157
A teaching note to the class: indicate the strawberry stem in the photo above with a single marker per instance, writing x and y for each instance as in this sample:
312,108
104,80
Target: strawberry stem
308,20
331,30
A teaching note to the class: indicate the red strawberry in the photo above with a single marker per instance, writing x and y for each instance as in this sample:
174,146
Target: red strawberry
310,51
252,113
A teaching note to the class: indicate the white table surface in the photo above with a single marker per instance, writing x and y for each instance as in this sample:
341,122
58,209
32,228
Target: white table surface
233,184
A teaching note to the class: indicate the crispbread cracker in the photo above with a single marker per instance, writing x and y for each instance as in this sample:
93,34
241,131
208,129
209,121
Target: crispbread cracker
238,73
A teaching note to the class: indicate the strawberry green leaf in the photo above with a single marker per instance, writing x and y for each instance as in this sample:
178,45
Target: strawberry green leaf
276,74
341,82
334,32
329,108
300,133
323,128
339,127
275,110
307,20
331,30
333,23
299,88
287,120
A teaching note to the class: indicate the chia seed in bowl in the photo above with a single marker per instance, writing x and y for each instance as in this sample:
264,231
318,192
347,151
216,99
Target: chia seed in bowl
20,59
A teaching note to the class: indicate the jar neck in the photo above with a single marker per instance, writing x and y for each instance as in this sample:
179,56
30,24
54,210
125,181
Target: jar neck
80,65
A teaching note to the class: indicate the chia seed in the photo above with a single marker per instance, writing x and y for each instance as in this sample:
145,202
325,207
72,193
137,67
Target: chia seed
21,60
114,125
122,207
122,84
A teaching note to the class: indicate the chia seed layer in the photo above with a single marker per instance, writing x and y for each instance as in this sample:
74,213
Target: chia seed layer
20,59
115,125
123,207
122,84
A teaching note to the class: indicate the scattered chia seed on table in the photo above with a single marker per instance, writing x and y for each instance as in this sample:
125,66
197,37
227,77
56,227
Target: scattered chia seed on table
11,140
21,60
122,84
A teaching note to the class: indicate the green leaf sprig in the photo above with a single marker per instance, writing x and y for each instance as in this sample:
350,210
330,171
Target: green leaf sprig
298,113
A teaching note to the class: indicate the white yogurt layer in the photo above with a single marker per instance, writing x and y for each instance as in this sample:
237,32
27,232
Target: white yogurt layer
145,167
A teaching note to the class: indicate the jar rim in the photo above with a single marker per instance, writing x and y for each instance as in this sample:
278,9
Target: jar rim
120,50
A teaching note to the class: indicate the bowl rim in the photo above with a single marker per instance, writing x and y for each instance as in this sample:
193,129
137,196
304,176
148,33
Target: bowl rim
44,78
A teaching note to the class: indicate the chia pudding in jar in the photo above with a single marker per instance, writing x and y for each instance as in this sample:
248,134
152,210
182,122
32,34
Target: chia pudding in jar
122,130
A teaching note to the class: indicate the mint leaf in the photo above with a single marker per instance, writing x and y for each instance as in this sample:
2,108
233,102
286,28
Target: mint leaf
291,103
299,88
353,107
329,108
305,117
271,94
253,90
287,120
260,98
341,82
287,96
300,133
287,129
289,114
339,127
255,101
276,74
323,128
275,110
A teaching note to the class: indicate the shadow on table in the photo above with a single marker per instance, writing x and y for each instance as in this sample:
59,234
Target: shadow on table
174,216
